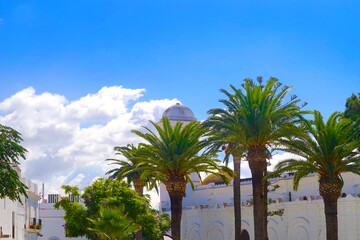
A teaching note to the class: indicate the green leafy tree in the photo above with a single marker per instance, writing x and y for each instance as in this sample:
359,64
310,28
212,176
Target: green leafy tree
263,117
109,193
170,155
127,169
352,107
327,149
113,224
10,154
222,125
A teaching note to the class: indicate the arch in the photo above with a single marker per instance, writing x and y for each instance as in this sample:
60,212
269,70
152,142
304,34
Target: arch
216,231
272,234
299,229
245,228
273,226
194,233
244,235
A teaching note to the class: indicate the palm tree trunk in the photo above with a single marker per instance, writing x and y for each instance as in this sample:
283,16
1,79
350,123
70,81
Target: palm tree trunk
258,170
330,190
237,198
139,188
138,235
330,205
266,205
176,212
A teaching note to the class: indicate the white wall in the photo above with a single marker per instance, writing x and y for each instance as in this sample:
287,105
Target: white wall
53,223
205,216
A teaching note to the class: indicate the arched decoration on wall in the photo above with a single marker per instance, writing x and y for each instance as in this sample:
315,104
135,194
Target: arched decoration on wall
194,233
299,229
216,231
273,227
245,229
272,234
244,235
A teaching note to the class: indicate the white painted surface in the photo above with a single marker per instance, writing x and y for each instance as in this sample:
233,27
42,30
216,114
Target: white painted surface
208,211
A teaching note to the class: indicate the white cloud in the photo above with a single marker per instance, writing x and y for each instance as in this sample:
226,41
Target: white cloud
68,142
281,156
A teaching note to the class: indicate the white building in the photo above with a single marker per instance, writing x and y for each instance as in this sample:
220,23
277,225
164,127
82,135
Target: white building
34,219
52,219
208,212
21,221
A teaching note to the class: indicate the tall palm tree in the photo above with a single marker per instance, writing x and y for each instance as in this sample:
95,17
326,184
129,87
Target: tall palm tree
263,118
171,154
328,149
222,125
128,169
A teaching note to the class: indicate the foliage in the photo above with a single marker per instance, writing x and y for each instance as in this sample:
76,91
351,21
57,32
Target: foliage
171,154
128,168
113,223
108,193
278,212
256,117
328,149
223,127
177,151
273,187
10,153
352,107
325,148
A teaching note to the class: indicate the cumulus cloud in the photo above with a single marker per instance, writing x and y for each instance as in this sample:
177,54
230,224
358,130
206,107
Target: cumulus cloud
68,141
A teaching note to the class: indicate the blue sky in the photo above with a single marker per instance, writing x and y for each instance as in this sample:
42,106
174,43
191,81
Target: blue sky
182,49
175,50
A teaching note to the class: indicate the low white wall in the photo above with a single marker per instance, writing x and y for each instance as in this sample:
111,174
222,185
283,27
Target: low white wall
302,220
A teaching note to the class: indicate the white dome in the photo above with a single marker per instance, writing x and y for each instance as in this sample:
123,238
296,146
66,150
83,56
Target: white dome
179,112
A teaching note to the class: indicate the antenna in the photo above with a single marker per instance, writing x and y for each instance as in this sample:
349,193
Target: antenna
43,193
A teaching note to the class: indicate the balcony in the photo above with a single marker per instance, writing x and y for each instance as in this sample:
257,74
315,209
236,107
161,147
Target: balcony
34,226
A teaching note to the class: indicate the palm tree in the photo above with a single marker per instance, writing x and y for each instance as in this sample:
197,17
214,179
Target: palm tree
171,155
262,119
113,224
328,149
223,124
127,168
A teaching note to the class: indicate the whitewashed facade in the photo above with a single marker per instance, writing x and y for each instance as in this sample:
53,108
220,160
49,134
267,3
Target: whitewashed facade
53,221
21,221
208,211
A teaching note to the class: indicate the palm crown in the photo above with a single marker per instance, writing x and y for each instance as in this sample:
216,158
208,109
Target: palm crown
327,149
171,155
256,118
173,152
128,168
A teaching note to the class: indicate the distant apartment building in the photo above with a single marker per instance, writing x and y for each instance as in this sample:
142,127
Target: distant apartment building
53,221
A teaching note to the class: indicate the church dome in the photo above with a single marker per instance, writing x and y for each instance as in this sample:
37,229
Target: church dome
179,112
212,178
